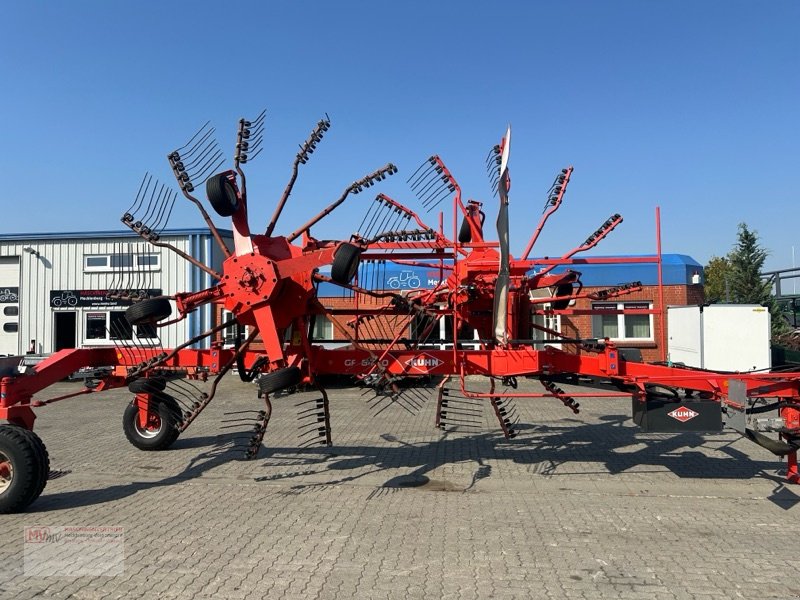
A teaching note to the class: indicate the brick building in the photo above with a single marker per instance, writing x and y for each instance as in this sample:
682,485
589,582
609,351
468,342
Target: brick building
682,285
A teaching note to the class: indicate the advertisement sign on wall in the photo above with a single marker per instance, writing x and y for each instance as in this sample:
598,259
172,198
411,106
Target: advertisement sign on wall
95,298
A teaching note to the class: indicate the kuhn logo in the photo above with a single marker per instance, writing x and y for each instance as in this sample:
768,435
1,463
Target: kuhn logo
683,414
423,362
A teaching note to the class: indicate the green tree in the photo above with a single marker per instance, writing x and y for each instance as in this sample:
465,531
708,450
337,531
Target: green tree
717,276
746,261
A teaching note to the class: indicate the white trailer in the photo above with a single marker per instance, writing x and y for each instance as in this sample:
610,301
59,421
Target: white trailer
720,337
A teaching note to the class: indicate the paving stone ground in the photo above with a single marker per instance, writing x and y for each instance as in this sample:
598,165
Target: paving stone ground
578,506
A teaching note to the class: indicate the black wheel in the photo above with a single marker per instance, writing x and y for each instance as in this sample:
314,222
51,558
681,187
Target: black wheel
148,385
161,429
345,263
222,195
279,380
565,289
151,310
24,467
465,233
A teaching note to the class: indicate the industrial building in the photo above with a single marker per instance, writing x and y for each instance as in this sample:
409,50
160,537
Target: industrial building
57,290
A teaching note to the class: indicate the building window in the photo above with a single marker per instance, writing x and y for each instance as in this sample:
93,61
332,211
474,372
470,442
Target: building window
129,262
621,326
546,321
112,326
323,329
229,334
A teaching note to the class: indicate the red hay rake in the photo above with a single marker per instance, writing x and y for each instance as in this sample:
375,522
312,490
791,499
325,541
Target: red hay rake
269,284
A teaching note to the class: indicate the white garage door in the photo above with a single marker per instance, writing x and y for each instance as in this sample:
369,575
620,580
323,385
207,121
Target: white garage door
9,305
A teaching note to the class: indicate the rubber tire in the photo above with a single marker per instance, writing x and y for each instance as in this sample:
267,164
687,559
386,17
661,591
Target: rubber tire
147,385
563,290
279,380
44,460
465,233
222,195
345,263
170,413
150,310
31,465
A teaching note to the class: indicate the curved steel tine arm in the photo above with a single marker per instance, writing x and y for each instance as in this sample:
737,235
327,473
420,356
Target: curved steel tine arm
139,195
213,163
209,147
248,139
553,203
422,172
182,254
186,156
209,223
167,213
184,178
306,149
191,140
153,206
229,365
606,228
355,188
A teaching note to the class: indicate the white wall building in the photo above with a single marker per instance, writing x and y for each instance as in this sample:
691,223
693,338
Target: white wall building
54,287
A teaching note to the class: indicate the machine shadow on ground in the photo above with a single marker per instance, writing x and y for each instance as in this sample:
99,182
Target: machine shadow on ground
566,449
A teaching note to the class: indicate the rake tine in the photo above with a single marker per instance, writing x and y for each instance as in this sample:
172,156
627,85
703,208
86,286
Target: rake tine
375,216
424,175
417,171
364,220
206,124
444,194
431,179
138,199
212,164
433,193
169,212
201,143
156,208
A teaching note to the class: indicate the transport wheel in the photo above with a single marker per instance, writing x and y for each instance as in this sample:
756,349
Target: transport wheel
565,289
345,263
161,429
465,233
150,310
24,467
279,380
222,195
147,385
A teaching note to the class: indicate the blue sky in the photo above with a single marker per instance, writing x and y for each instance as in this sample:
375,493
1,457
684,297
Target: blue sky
692,106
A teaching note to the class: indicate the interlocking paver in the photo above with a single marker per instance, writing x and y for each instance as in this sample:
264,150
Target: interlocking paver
576,507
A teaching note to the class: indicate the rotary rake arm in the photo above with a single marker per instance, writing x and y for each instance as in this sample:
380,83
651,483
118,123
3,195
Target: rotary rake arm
555,195
306,149
354,188
192,164
607,227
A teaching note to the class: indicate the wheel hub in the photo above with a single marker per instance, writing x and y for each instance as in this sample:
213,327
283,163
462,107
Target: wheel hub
6,472
151,429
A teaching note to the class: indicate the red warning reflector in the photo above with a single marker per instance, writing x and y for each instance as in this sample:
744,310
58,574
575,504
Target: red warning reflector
683,414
